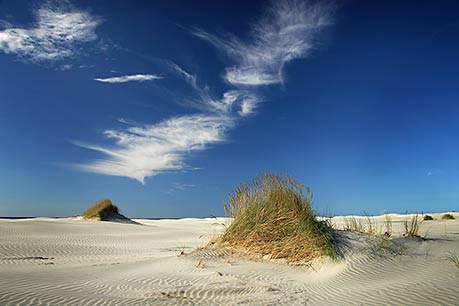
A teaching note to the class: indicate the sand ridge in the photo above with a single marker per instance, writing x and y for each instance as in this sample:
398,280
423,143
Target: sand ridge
68,261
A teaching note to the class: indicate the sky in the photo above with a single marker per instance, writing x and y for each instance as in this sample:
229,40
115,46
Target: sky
166,107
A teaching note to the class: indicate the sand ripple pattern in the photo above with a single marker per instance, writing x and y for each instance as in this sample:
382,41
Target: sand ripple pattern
71,262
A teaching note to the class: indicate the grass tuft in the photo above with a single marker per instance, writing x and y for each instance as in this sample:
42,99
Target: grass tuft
447,217
412,227
273,217
428,218
101,210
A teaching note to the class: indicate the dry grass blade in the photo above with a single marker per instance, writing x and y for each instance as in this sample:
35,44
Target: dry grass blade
454,258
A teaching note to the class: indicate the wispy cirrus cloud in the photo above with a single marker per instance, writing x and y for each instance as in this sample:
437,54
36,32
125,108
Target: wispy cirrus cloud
243,102
55,34
130,78
142,151
287,31
179,186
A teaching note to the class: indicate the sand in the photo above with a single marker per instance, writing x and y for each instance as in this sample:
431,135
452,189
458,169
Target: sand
70,261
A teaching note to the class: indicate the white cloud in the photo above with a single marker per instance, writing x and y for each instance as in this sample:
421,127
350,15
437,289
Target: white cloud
65,67
55,35
178,186
245,100
191,79
286,32
130,78
248,105
142,151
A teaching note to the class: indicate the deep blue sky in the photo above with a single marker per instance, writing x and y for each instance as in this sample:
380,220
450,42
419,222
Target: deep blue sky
367,116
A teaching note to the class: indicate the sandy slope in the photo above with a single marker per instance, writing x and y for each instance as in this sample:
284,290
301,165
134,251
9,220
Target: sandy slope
76,262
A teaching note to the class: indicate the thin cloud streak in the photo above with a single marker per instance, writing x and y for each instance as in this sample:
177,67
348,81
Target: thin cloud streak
54,36
129,78
288,31
243,102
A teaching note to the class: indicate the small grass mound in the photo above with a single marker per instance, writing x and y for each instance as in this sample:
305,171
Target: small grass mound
447,217
428,218
273,217
102,210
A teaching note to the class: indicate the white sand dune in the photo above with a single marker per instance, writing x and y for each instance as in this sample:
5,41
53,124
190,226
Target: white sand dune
76,262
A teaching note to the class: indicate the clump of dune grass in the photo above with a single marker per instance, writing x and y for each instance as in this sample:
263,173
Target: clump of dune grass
412,227
427,218
273,218
447,217
101,210
454,258
371,225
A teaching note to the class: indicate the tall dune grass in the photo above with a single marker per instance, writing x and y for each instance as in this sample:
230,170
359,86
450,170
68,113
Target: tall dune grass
387,226
273,216
101,210
412,226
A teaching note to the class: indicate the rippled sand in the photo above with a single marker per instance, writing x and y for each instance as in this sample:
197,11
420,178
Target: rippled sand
76,262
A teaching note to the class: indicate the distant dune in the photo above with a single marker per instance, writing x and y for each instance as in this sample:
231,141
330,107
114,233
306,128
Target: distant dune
69,261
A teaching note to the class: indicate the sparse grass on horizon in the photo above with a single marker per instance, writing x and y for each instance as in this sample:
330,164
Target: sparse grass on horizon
273,216
353,224
448,217
101,210
367,225
387,226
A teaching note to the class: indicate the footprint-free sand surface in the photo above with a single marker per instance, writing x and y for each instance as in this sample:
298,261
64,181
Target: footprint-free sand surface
69,261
